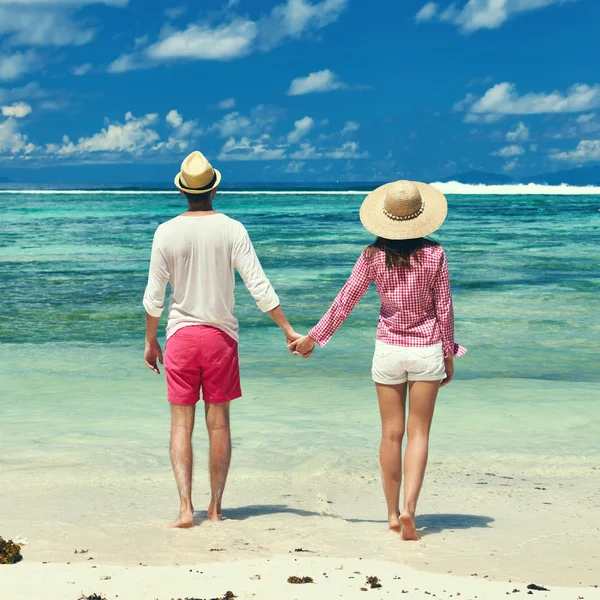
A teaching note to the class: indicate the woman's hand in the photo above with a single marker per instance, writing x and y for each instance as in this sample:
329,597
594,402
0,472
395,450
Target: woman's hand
304,345
449,366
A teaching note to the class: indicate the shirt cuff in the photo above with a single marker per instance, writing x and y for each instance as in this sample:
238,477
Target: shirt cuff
151,308
319,336
268,303
454,350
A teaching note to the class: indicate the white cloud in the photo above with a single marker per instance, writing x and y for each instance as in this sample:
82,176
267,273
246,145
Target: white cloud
350,127
131,137
246,149
226,104
201,42
13,66
12,140
301,129
261,120
503,99
586,151
319,81
512,150
18,110
294,17
509,166
585,118
235,37
174,119
175,12
294,166
519,134
346,150
125,62
427,13
481,14
82,69
46,22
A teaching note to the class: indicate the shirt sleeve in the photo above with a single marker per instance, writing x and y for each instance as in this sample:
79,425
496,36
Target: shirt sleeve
444,311
158,277
248,266
349,296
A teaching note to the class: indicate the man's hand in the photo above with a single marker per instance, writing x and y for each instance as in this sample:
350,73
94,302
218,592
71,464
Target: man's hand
152,355
449,365
290,337
304,345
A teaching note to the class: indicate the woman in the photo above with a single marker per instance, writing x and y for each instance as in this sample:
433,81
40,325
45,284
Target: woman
415,337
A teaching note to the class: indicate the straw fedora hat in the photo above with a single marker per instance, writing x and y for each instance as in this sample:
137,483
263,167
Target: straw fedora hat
197,175
404,210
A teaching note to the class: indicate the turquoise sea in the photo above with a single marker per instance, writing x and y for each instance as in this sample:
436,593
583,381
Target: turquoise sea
73,266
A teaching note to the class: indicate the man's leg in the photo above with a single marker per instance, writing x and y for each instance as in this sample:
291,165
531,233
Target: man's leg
182,456
219,435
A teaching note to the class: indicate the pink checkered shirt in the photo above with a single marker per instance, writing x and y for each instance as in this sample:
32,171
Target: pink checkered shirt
416,302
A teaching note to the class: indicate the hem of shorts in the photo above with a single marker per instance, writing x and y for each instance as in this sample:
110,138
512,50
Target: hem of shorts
428,378
223,400
395,382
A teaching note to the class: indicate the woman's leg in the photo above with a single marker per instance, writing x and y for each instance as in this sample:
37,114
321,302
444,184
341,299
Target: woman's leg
422,396
392,400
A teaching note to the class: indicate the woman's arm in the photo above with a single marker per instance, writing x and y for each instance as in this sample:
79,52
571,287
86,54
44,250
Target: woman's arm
349,296
444,312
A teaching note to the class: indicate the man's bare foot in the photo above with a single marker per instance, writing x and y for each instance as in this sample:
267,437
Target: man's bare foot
409,530
185,520
214,513
394,523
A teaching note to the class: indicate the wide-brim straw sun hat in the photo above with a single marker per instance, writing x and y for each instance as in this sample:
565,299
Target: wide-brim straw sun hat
404,210
197,175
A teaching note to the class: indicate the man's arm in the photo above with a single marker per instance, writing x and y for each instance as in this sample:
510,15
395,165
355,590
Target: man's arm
154,303
248,266
153,351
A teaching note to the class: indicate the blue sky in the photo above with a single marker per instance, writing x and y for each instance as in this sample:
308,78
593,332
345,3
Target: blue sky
297,90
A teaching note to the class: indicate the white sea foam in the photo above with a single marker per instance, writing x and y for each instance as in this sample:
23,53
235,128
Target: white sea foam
450,187
532,189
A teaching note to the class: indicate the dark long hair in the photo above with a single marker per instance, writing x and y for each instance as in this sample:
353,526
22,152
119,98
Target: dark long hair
398,253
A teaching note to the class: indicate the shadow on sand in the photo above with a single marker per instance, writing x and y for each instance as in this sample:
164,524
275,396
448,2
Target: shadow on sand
427,524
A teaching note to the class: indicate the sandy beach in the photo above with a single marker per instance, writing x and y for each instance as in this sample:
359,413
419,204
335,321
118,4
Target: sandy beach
265,579
534,526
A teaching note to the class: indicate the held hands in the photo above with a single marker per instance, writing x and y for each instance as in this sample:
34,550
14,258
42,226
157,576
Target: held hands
153,355
303,345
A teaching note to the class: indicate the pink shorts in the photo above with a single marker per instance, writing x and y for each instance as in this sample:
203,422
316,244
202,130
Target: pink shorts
202,357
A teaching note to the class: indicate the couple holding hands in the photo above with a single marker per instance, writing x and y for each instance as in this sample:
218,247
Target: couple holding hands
197,252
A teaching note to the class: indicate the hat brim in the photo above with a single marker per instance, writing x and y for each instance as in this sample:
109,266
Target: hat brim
374,219
203,190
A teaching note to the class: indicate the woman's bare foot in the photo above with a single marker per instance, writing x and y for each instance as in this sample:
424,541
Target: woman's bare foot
409,530
395,523
185,520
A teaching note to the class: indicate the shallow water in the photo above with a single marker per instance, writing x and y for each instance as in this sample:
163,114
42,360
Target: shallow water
73,267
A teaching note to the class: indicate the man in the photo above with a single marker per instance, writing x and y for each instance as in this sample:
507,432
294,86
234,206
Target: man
196,253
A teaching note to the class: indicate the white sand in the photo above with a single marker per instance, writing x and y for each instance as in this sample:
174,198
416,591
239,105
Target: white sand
263,579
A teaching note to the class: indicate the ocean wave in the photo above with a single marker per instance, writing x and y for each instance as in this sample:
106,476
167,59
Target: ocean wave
530,189
448,187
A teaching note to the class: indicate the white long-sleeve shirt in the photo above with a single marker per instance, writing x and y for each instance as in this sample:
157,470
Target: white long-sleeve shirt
197,255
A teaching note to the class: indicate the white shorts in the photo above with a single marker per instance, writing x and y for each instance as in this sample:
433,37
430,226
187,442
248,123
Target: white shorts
398,364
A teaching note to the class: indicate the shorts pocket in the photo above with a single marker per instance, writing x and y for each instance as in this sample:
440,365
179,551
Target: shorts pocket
383,352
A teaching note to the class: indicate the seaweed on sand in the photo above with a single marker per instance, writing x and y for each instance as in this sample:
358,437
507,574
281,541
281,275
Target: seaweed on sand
294,579
92,597
373,582
10,553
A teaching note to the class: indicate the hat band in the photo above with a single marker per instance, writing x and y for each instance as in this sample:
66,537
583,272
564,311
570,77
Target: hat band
410,217
205,188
